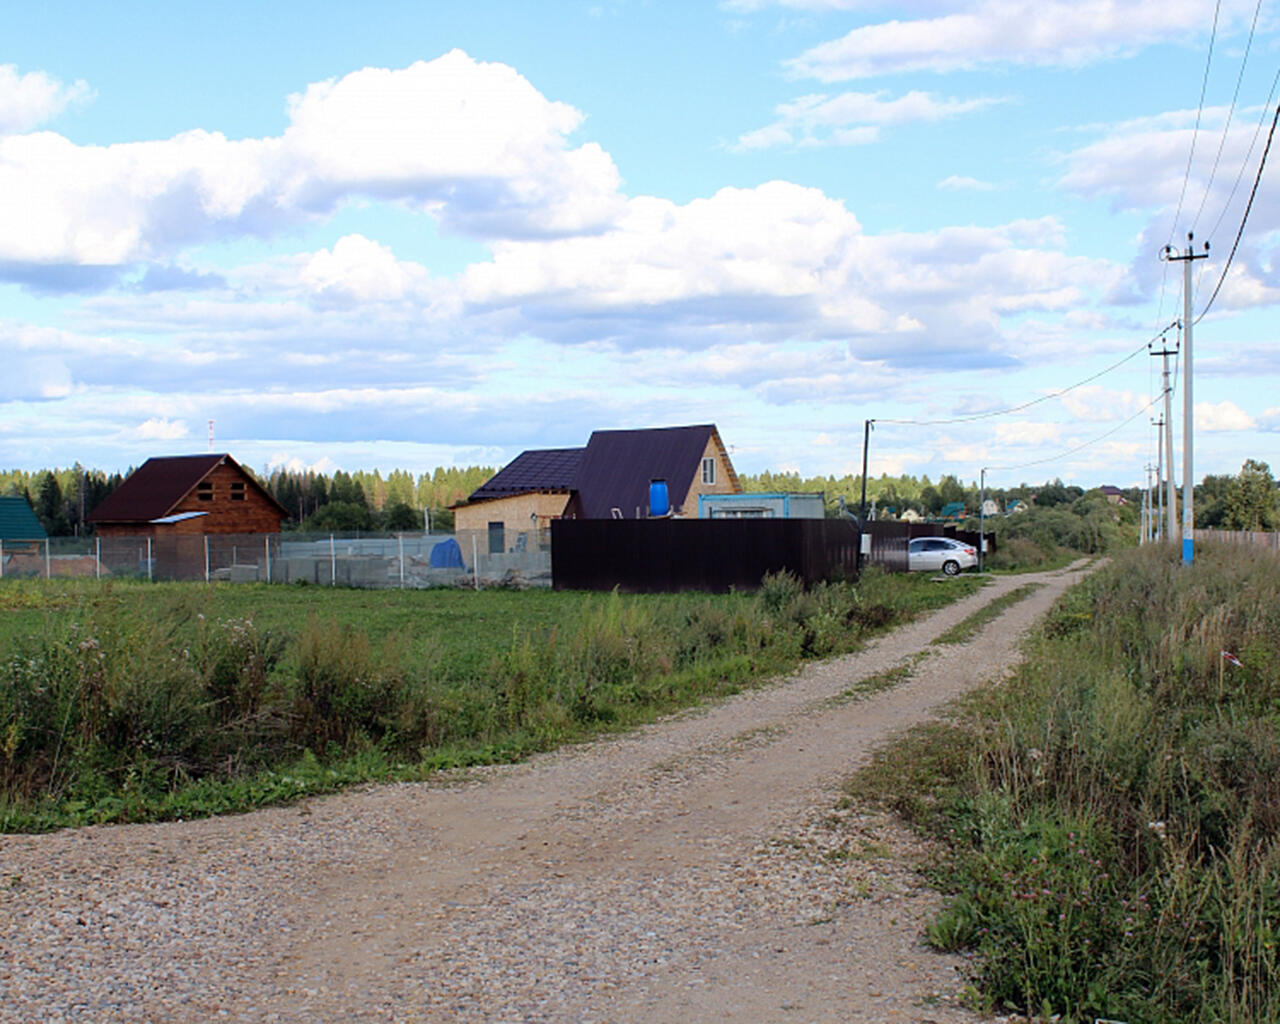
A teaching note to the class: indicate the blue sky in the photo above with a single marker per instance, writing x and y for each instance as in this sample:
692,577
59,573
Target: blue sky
405,235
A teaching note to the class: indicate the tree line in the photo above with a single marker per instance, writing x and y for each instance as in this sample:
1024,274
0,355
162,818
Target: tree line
366,500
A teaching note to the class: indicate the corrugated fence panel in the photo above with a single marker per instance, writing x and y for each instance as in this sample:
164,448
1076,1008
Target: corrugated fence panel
666,555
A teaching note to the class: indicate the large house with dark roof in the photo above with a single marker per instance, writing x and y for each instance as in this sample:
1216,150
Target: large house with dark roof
188,495
608,479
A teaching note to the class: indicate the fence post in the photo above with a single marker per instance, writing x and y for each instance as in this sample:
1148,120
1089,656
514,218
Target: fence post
206,558
475,562
97,558
1,559
266,544
333,563
400,538
150,577
48,565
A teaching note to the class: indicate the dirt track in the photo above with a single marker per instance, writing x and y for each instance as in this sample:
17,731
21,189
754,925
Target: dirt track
691,871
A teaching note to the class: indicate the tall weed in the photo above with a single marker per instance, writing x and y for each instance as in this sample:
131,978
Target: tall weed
1115,832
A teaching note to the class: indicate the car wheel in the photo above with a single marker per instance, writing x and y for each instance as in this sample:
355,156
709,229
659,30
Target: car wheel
951,567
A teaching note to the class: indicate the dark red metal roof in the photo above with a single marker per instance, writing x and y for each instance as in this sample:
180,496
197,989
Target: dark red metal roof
618,465
155,487
540,469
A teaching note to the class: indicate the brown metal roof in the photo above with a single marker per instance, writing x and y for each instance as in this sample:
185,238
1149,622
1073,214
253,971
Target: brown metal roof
159,484
618,465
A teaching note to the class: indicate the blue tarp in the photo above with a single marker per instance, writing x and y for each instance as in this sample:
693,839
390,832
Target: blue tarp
447,555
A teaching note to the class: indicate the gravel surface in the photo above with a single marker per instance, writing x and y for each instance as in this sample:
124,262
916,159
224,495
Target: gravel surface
693,870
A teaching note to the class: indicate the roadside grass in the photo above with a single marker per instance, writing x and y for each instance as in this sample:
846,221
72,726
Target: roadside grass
135,702
1109,816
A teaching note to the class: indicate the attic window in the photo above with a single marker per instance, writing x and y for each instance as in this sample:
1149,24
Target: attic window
708,471
204,491
237,492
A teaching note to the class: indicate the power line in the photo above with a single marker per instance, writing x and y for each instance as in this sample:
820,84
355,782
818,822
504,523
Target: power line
1244,164
1245,219
1226,128
1034,401
1087,444
1195,132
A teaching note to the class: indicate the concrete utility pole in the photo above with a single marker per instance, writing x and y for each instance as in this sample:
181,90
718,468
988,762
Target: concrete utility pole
1188,476
1171,504
1158,532
982,520
862,514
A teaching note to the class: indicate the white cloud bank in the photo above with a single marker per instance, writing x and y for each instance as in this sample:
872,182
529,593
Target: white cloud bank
473,144
1011,33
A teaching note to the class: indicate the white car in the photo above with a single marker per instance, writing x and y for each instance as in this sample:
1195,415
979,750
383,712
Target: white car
929,554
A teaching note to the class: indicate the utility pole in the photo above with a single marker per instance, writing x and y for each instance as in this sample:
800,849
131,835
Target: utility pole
982,519
1148,511
1158,531
1171,503
862,514
1188,477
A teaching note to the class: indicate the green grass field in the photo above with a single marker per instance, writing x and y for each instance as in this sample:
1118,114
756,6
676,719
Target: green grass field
132,701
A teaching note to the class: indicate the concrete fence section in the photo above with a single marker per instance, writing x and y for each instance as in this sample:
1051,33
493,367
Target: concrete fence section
467,559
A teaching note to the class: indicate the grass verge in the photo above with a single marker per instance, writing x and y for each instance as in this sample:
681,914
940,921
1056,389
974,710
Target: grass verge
1109,816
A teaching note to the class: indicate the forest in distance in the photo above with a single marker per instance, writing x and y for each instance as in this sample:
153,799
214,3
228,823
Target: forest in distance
366,500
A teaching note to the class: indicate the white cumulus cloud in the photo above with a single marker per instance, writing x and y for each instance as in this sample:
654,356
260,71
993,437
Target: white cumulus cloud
472,143
1222,416
34,98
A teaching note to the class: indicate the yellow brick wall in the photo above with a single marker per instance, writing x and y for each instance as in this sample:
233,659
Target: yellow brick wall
516,513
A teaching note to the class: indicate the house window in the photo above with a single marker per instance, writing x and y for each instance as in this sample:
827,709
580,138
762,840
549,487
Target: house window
497,538
708,471
237,492
204,491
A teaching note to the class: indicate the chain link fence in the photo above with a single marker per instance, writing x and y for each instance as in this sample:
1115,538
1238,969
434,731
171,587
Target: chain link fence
469,558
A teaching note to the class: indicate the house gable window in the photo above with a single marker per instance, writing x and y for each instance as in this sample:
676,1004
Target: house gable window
204,491
708,471
237,491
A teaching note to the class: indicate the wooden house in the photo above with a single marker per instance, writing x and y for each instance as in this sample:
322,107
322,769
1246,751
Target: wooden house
188,495
608,479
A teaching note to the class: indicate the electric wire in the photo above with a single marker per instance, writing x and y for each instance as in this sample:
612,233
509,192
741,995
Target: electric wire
1244,164
1195,132
1253,193
1086,444
1035,401
1226,127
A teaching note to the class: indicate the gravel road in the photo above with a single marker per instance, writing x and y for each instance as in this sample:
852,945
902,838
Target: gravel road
694,870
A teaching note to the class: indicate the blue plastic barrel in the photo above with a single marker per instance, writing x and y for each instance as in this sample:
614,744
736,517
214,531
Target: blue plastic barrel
659,504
